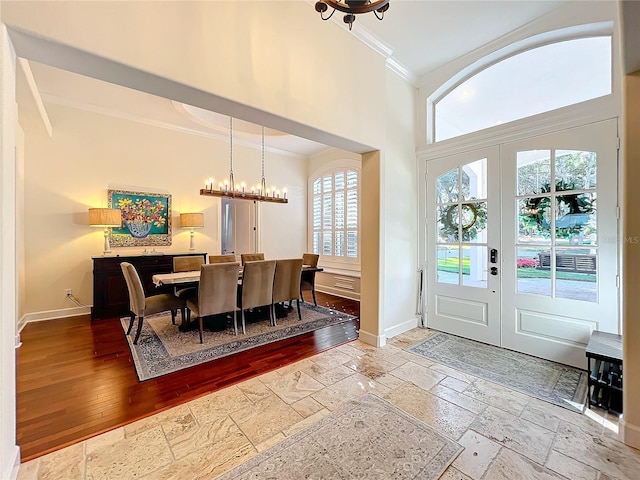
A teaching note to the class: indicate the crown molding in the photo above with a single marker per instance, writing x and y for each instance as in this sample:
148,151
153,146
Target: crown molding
35,94
111,112
402,71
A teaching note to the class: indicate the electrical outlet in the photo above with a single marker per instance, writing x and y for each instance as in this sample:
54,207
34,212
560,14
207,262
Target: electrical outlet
68,292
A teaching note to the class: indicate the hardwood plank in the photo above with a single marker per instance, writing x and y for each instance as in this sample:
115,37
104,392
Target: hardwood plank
76,379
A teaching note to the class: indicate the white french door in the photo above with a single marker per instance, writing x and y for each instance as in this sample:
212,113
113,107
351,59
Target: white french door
522,242
463,221
561,199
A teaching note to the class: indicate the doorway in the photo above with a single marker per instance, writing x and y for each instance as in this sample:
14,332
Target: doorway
522,242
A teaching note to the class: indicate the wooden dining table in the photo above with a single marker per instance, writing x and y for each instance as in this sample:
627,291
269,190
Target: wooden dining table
181,278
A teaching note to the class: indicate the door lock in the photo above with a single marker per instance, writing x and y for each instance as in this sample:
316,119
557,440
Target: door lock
493,256
494,270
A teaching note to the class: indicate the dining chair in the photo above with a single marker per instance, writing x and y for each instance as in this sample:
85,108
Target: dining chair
251,257
141,305
257,287
222,258
187,264
217,293
308,280
286,283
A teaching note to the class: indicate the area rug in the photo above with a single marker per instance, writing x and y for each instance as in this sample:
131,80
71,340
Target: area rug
163,349
365,438
552,382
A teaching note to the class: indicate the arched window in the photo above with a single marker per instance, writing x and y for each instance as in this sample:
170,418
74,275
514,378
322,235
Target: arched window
334,197
535,81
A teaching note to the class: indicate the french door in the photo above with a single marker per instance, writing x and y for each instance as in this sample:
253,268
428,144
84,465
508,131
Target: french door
522,242
463,218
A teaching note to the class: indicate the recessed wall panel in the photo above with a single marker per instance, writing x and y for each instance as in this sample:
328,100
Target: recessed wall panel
547,326
466,310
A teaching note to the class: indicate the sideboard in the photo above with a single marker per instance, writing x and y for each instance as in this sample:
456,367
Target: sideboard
110,294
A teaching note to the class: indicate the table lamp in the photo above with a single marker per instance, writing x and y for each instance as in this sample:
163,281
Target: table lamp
192,220
106,218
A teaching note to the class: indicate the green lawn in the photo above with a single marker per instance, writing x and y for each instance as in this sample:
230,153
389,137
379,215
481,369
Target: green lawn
535,273
451,264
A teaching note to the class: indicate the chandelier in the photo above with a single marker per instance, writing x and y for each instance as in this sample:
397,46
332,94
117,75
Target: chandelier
352,8
230,189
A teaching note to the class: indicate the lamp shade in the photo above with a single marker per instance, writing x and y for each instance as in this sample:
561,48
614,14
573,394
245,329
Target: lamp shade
105,217
192,220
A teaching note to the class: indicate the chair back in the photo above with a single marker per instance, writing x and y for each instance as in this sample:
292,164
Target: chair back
231,258
218,288
134,285
187,263
310,259
286,282
251,257
257,283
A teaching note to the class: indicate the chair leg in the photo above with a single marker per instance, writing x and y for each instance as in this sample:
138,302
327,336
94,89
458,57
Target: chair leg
272,312
140,321
235,322
313,292
173,316
244,331
298,305
200,321
301,296
133,317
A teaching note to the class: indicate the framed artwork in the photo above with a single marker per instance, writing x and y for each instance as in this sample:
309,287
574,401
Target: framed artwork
146,218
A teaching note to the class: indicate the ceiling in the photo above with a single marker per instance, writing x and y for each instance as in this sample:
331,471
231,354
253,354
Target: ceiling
421,35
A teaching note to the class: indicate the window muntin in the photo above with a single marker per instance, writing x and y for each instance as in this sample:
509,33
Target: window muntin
533,82
335,216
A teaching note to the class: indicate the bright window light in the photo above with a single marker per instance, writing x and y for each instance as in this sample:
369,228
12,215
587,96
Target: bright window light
526,84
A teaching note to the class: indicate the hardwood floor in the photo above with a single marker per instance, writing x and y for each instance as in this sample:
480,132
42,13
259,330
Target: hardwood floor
75,378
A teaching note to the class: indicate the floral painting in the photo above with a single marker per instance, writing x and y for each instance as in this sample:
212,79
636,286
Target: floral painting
146,218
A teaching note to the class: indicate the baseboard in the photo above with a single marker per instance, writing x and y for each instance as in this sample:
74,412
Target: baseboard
401,328
629,434
52,314
371,339
11,469
338,292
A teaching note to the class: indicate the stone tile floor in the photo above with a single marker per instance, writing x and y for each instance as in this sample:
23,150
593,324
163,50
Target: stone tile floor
506,435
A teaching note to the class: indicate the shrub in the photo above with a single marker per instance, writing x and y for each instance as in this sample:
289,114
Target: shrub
527,263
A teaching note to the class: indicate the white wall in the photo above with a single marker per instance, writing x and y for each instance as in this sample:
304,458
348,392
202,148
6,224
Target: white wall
88,153
399,212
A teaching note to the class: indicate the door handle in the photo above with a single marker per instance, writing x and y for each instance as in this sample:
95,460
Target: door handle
494,270
493,256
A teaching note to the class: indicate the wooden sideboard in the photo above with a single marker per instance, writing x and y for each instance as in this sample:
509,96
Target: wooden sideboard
110,295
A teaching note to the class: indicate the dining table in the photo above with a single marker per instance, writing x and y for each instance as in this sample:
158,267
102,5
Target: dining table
182,278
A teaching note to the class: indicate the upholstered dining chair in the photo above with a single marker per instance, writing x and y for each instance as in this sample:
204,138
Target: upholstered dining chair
257,287
286,283
187,264
217,292
222,258
141,306
308,280
251,257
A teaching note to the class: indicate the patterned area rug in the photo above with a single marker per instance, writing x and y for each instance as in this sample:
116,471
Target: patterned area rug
552,382
365,438
163,349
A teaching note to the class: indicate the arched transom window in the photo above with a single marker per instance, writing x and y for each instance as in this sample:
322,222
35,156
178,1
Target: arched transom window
529,83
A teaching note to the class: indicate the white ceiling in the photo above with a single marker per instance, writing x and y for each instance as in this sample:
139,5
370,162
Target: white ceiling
422,36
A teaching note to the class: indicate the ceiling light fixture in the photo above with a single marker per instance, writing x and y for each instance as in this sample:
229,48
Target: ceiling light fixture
230,189
352,8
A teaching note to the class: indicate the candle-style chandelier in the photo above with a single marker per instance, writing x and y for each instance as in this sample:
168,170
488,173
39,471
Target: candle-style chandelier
352,8
240,191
